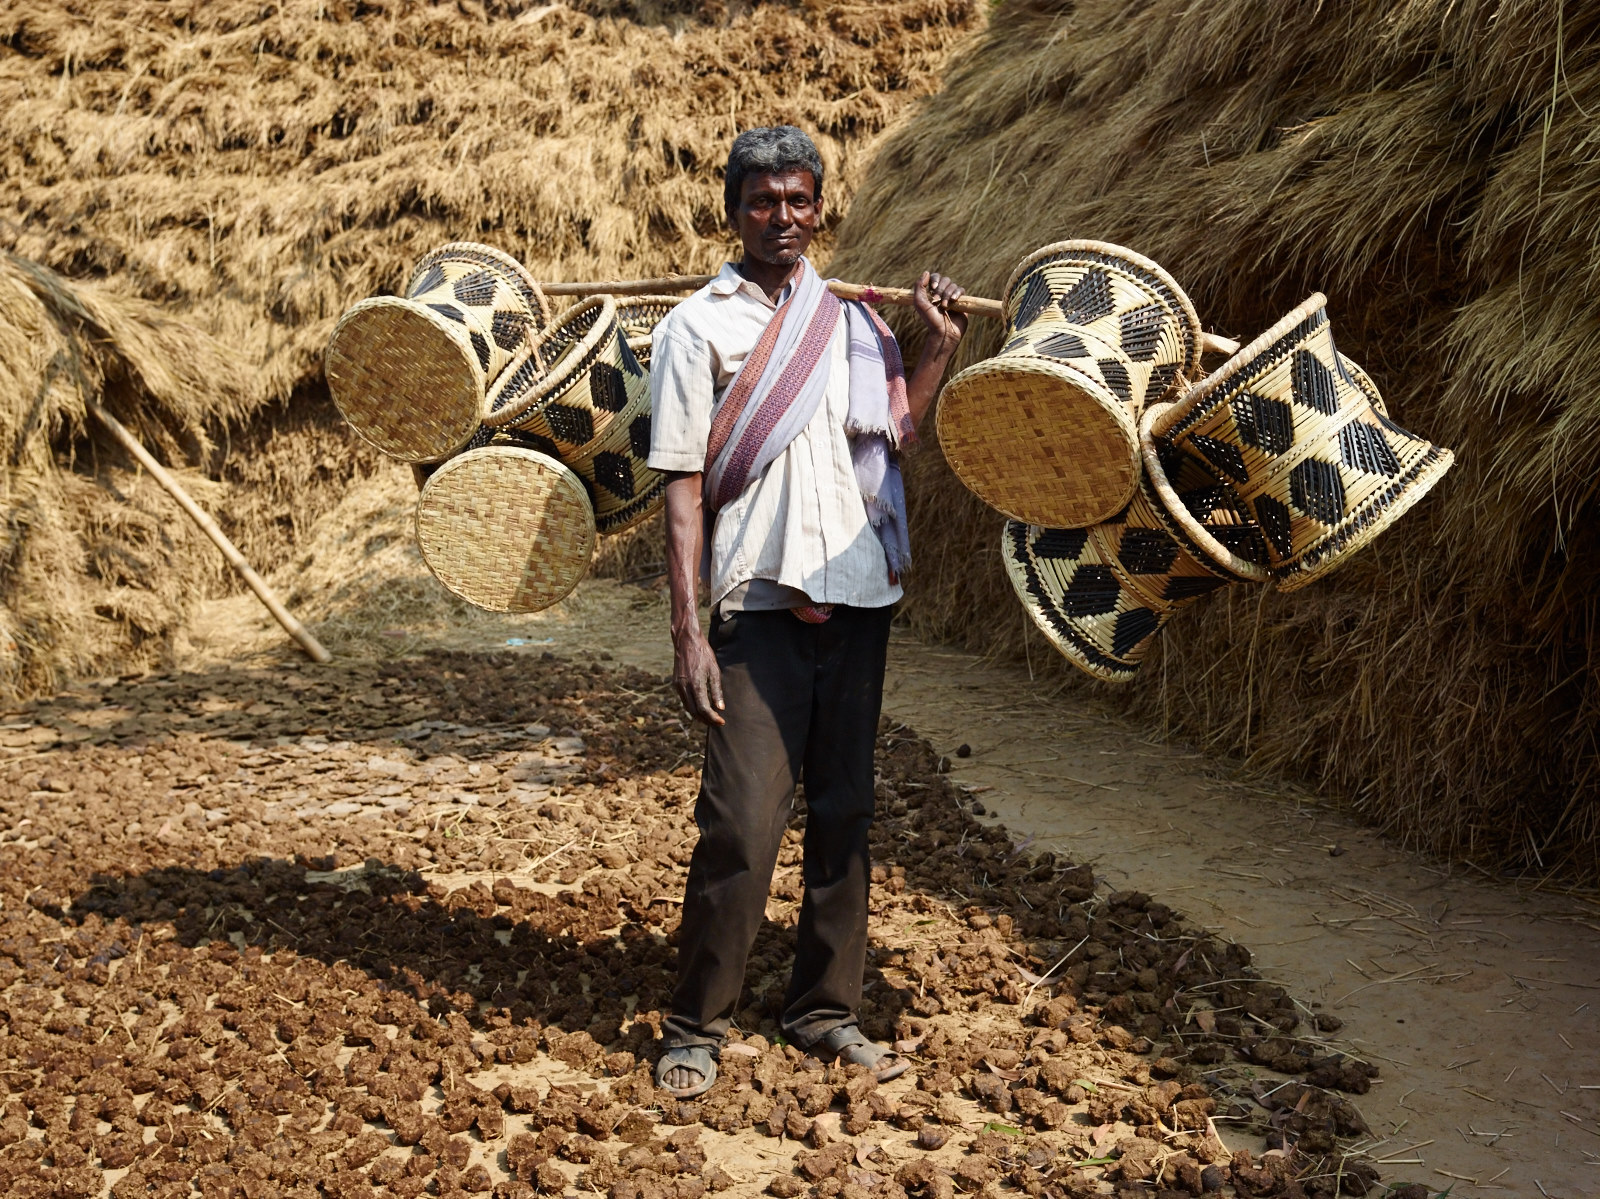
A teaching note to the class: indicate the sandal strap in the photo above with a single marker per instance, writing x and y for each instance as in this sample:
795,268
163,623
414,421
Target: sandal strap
690,1057
837,1040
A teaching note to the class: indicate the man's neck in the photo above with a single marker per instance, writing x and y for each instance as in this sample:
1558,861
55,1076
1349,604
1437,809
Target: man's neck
769,277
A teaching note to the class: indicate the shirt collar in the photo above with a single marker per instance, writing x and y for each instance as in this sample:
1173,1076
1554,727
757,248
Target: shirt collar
728,281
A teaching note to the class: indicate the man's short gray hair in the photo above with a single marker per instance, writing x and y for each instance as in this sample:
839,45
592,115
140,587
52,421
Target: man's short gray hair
768,151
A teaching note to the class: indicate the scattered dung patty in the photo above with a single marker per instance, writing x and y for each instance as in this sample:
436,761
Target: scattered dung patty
406,927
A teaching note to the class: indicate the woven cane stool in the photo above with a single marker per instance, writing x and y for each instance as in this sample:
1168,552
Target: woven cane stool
1301,435
570,385
1047,430
1102,594
409,373
506,528
588,406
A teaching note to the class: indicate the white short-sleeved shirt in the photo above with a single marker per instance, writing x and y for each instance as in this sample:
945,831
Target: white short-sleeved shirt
802,524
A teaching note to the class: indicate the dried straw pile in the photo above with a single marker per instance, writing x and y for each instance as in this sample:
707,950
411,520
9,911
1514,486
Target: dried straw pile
1433,167
94,571
250,170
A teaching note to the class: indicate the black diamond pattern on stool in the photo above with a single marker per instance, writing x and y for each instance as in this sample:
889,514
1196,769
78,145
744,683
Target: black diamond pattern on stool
1086,300
451,311
475,290
606,388
1132,627
535,441
1146,551
1317,490
507,329
1361,447
1141,331
1244,540
614,472
639,436
1276,523
1203,501
1116,376
1223,456
575,426
1183,587
1264,423
1092,592
1060,544
431,278
1062,345
1034,297
630,360
480,346
1312,383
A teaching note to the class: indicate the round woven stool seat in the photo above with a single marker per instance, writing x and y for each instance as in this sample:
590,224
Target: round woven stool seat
1046,431
1101,595
1301,435
506,528
409,373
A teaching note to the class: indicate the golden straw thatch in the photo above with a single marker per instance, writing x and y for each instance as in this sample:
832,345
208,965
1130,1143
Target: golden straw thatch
1434,167
94,572
250,170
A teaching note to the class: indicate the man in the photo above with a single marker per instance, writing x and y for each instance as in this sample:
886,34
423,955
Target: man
779,414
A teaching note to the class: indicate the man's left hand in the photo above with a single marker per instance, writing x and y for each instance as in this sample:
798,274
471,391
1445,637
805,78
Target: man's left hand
932,298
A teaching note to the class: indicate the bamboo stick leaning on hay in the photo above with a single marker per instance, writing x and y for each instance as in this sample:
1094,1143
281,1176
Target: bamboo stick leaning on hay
971,305
264,593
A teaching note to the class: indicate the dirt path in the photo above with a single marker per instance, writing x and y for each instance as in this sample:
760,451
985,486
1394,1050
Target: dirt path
1480,1000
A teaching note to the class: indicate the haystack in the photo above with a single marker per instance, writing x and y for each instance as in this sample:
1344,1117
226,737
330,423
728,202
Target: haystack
1432,167
230,176
93,569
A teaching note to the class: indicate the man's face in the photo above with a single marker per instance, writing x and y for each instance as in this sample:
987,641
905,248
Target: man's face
777,216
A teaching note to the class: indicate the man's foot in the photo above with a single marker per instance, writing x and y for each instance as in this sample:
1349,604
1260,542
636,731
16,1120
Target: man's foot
848,1044
685,1071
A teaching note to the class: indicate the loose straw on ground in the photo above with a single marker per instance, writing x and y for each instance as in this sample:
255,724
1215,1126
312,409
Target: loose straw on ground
970,305
209,527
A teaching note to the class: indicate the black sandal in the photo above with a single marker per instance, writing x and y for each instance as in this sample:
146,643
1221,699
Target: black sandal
689,1057
848,1044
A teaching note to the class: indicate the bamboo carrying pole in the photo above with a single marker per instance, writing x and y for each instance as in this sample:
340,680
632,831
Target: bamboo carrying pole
970,305
209,527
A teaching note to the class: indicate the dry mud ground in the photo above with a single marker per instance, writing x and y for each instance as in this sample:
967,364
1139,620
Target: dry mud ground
403,925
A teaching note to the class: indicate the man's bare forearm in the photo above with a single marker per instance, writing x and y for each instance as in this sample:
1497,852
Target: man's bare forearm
685,527
695,675
923,385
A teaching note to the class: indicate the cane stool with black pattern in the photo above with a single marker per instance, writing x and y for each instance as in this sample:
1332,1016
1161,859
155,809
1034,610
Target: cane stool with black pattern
409,373
1301,435
1046,431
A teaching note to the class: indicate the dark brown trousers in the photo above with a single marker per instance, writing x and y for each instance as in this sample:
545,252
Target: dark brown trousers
802,701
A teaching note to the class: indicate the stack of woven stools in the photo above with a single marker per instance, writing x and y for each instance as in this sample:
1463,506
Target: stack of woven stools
531,428
1132,491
